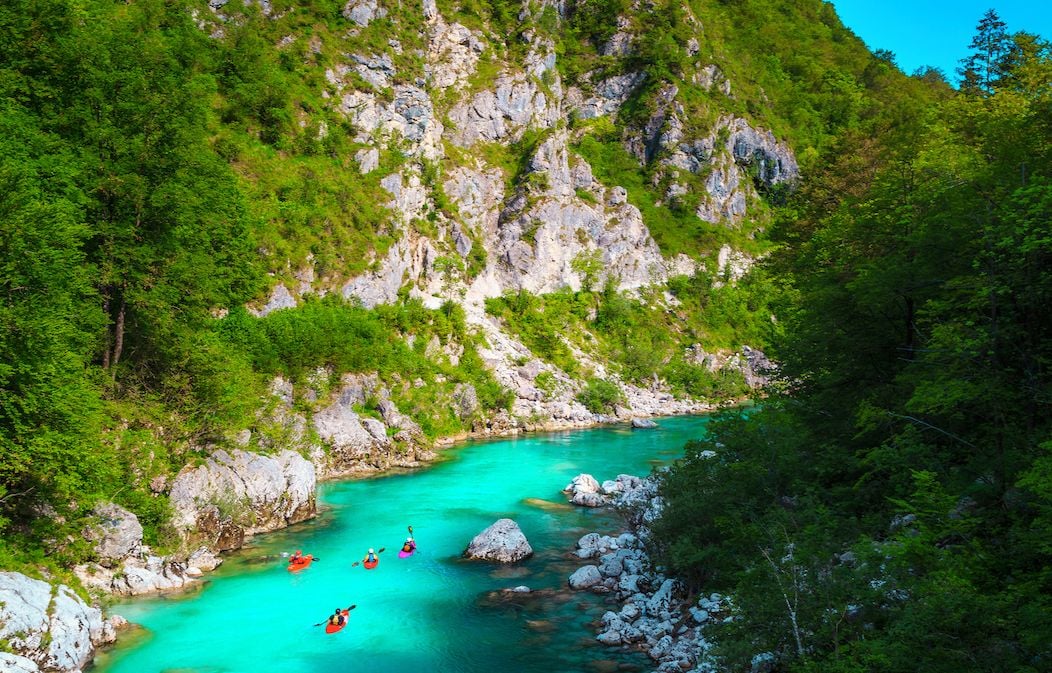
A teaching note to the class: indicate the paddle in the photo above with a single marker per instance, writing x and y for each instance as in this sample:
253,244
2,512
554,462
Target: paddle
327,621
378,552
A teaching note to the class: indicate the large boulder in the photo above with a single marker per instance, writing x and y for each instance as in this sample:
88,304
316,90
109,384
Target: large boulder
239,493
117,533
503,542
52,628
585,577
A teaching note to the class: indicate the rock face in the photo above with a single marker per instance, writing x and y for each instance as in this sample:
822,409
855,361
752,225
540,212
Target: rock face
473,228
126,566
239,493
360,444
502,542
48,628
118,533
754,366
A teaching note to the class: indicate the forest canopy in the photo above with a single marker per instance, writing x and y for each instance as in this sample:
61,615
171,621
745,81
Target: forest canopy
888,508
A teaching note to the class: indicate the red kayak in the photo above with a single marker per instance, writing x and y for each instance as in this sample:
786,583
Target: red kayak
300,563
333,628
369,565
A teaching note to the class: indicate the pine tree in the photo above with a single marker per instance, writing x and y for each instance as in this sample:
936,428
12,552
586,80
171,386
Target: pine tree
986,67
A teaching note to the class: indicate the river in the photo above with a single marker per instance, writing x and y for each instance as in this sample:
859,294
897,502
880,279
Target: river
430,612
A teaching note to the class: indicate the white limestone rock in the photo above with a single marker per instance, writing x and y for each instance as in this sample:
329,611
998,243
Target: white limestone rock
269,492
280,298
362,12
584,490
51,627
502,113
502,542
117,533
13,663
585,577
368,160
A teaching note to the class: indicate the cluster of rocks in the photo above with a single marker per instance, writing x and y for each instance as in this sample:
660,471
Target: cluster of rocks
127,567
655,615
48,628
359,443
586,491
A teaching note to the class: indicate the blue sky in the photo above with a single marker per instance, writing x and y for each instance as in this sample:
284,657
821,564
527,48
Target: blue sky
936,32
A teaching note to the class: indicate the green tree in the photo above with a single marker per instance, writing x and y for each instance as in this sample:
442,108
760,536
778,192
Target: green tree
986,67
49,322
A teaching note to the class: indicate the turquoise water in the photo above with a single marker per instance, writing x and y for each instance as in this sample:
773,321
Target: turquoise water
431,612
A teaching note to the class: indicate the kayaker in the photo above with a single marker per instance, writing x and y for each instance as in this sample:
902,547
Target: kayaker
297,557
370,557
409,545
338,618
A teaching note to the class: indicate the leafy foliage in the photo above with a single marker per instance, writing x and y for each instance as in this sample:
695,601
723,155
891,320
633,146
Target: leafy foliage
600,396
882,514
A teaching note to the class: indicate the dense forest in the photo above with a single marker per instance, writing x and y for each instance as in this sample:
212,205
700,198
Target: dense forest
889,506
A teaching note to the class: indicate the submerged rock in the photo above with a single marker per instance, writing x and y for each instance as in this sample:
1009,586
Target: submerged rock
643,423
502,542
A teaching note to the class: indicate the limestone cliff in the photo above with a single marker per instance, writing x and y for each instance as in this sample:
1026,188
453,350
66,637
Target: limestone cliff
542,220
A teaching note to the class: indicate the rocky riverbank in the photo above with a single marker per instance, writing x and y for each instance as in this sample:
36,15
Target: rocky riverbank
47,627
656,615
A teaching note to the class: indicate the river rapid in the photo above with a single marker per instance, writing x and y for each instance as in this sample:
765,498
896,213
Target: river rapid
433,611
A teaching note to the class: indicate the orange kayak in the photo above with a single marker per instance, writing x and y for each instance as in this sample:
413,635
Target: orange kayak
333,628
300,563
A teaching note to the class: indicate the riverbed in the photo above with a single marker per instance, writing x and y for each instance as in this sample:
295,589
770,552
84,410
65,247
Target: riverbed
432,611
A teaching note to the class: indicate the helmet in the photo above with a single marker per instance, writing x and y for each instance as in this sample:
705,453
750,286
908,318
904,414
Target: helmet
409,539
299,551
370,550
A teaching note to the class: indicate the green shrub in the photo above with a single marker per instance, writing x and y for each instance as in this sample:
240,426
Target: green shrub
600,396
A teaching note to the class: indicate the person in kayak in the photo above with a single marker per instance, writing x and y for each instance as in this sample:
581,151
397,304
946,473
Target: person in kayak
409,545
297,557
370,557
338,618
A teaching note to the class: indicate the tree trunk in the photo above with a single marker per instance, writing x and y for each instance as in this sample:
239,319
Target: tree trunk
106,344
118,336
